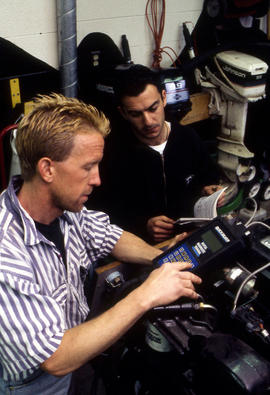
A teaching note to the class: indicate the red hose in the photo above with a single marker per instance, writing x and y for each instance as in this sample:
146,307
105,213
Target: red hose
3,172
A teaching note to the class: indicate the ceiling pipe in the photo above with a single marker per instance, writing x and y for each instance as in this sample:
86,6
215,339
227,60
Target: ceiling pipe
67,46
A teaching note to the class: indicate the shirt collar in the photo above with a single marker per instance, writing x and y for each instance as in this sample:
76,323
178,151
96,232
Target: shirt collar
31,235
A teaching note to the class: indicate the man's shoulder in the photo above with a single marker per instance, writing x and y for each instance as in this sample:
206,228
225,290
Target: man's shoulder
11,227
7,215
184,130
85,214
89,219
185,136
6,219
95,229
14,257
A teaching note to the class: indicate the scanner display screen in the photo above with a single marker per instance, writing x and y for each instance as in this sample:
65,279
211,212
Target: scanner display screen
211,241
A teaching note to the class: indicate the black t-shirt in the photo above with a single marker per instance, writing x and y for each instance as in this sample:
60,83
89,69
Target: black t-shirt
53,233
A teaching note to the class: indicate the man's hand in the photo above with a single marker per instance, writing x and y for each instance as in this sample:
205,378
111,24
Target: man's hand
210,189
177,238
85,341
160,228
168,283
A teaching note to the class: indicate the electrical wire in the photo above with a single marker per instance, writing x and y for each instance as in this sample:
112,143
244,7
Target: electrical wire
254,212
258,223
178,308
156,25
252,274
245,282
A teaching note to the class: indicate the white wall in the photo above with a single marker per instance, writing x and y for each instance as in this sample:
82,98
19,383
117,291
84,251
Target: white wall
31,25
117,17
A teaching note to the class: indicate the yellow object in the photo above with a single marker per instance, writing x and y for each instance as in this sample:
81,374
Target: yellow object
15,91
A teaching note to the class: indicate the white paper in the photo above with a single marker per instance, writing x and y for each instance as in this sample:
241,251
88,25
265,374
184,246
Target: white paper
206,206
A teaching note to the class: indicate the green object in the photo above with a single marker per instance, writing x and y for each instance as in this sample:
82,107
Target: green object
233,205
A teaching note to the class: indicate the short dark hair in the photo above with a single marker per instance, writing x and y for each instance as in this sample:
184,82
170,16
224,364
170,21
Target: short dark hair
133,80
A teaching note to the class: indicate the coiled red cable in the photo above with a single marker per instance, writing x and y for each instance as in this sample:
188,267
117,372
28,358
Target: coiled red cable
157,28
3,171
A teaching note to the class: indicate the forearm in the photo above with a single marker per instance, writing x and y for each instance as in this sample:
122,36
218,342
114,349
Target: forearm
131,248
82,343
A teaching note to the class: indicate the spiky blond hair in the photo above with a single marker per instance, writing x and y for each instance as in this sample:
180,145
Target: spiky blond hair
49,129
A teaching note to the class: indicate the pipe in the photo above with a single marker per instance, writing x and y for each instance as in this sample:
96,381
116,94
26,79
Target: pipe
67,46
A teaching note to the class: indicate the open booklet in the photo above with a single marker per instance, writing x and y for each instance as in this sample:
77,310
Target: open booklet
205,209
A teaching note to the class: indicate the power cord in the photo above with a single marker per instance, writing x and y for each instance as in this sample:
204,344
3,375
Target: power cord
258,223
254,211
157,28
245,282
177,308
252,321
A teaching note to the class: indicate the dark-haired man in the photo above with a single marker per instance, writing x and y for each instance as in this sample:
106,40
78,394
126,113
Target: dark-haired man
153,171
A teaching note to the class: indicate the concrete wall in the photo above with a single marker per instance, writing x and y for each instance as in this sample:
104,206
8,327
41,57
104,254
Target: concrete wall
31,25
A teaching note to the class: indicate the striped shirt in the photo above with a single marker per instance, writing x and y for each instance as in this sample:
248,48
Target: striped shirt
39,298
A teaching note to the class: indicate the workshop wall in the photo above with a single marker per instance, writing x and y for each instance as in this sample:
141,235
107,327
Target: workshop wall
32,25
